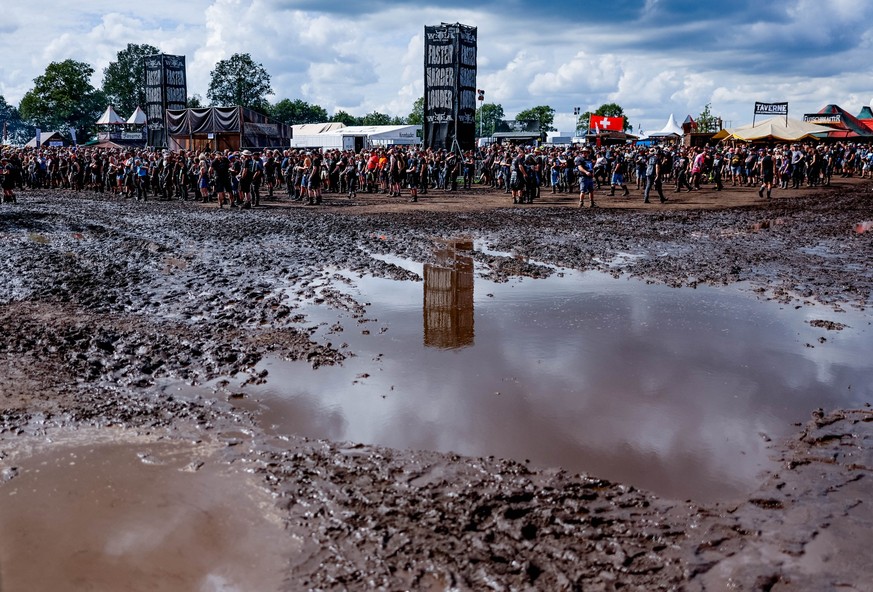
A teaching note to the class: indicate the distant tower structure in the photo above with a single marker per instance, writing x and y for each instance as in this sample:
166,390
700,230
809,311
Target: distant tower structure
166,87
450,87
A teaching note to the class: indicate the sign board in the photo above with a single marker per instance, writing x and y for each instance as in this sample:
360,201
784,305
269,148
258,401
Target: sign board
265,129
823,118
531,126
771,108
450,64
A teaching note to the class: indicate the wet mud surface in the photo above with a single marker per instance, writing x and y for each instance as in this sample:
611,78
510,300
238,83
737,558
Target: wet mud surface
104,301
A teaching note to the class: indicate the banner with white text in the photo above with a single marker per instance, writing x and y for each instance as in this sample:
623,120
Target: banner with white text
450,87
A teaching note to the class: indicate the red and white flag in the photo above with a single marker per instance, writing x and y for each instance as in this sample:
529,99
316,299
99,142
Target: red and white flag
615,124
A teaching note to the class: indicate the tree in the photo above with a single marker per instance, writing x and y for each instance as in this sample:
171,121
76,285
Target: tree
487,117
297,111
605,110
238,80
707,122
195,101
376,118
343,117
543,115
124,79
63,98
416,117
16,130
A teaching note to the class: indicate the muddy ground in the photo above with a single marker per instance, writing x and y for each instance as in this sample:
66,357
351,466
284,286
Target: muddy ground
103,301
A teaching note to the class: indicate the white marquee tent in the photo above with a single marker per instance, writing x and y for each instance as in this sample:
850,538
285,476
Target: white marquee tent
138,117
670,130
110,117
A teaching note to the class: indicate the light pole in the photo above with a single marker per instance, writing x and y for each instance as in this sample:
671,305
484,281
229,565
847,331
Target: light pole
481,98
576,112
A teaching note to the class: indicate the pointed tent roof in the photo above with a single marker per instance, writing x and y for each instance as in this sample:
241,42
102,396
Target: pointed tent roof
670,129
774,128
849,125
866,117
44,137
137,118
110,117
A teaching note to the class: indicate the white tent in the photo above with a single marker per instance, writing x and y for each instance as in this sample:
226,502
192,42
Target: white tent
313,129
47,139
110,117
670,129
358,137
137,118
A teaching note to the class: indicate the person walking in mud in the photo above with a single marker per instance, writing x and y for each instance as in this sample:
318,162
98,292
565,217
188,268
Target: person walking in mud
653,176
221,172
413,173
798,167
531,179
585,172
314,183
7,169
717,168
619,169
767,171
469,169
203,178
246,177
680,172
517,177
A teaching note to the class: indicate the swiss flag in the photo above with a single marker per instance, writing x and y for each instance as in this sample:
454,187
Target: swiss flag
606,123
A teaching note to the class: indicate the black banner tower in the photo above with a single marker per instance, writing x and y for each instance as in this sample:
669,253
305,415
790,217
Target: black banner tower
450,87
166,87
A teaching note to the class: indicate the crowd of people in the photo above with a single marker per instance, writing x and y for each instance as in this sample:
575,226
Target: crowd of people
242,178
238,178
523,173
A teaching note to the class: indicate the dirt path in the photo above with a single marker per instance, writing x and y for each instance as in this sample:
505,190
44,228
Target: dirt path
102,301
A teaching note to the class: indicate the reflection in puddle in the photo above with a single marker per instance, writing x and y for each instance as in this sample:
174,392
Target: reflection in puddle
678,391
145,516
448,297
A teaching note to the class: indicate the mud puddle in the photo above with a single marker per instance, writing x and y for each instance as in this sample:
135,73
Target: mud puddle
107,514
679,391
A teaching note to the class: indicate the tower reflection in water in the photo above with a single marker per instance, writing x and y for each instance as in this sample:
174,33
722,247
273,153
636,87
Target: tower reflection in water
448,296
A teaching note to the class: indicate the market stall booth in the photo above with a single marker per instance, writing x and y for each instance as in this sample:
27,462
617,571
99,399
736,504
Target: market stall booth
224,128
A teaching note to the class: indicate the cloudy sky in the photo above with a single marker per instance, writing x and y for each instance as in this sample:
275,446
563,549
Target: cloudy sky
652,57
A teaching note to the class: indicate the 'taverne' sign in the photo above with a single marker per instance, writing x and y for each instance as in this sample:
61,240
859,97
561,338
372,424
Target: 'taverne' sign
771,108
